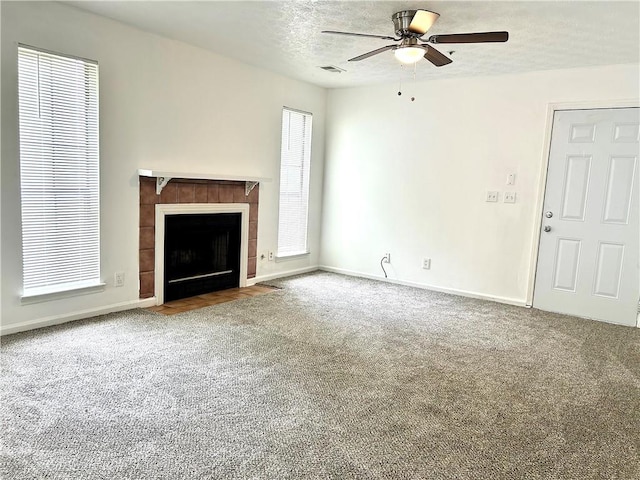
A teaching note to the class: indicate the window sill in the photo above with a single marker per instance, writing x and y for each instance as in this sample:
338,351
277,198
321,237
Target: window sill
47,294
293,256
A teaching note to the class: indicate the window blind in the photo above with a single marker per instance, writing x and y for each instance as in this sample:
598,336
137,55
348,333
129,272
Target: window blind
294,183
59,171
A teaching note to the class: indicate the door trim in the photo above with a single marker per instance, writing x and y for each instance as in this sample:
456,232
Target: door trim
542,184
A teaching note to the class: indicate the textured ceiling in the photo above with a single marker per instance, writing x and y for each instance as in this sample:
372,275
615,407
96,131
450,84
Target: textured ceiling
284,36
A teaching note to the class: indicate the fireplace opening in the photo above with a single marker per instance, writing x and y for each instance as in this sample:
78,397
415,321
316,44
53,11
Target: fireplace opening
201,254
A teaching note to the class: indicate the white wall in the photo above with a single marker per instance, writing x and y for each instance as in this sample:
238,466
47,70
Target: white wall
163,105
410,178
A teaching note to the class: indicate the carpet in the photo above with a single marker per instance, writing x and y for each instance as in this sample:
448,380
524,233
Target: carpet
329,377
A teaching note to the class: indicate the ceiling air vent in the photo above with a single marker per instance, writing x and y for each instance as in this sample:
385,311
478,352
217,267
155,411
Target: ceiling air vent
332,69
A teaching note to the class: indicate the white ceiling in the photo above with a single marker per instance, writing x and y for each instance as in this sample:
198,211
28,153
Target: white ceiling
284,36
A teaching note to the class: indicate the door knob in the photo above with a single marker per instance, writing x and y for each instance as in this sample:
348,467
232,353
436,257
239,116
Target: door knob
547,228
548,214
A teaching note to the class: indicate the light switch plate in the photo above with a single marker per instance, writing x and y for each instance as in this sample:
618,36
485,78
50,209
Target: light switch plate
492,196
509,197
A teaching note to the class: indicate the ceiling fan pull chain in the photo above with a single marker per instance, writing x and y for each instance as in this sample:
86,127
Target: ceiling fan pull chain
415,67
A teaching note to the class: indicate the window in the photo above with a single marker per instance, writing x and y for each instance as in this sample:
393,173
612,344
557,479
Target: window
295,159
59,172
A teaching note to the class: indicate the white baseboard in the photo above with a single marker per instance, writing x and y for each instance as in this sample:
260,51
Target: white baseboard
453,291
58,319
149,302
288,273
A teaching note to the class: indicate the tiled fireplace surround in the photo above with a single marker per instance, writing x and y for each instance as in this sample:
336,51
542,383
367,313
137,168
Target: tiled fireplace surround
189,191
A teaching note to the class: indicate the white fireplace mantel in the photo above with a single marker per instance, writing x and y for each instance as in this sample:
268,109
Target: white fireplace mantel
163,177
162,210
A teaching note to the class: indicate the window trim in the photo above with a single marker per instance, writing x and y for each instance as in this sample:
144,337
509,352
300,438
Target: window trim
74,291
292,256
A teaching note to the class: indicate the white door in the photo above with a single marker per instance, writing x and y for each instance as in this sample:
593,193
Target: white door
588,262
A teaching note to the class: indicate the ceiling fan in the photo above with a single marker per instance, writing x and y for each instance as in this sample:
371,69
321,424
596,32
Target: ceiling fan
410,26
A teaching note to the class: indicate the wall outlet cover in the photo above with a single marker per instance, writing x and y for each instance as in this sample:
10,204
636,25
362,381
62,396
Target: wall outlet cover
492,196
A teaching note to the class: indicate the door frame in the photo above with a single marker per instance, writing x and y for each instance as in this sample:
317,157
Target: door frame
552,108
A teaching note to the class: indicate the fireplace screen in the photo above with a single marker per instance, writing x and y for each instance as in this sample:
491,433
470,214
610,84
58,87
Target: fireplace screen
202,254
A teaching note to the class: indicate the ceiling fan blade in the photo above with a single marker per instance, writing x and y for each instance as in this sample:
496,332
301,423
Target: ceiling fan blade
372,53
480,37
422,21
437,58
382,37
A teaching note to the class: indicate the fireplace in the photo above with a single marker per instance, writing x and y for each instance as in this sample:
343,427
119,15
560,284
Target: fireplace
185,197
201,254
200,248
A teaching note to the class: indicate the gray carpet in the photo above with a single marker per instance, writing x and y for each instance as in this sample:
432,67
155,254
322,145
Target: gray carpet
330,377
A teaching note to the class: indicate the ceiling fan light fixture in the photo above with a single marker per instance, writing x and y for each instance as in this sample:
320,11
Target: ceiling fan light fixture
409,54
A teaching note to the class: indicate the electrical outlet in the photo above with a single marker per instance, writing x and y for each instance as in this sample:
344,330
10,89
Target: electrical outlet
270,256
118,279
509,197
426,263
492,196
386,258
